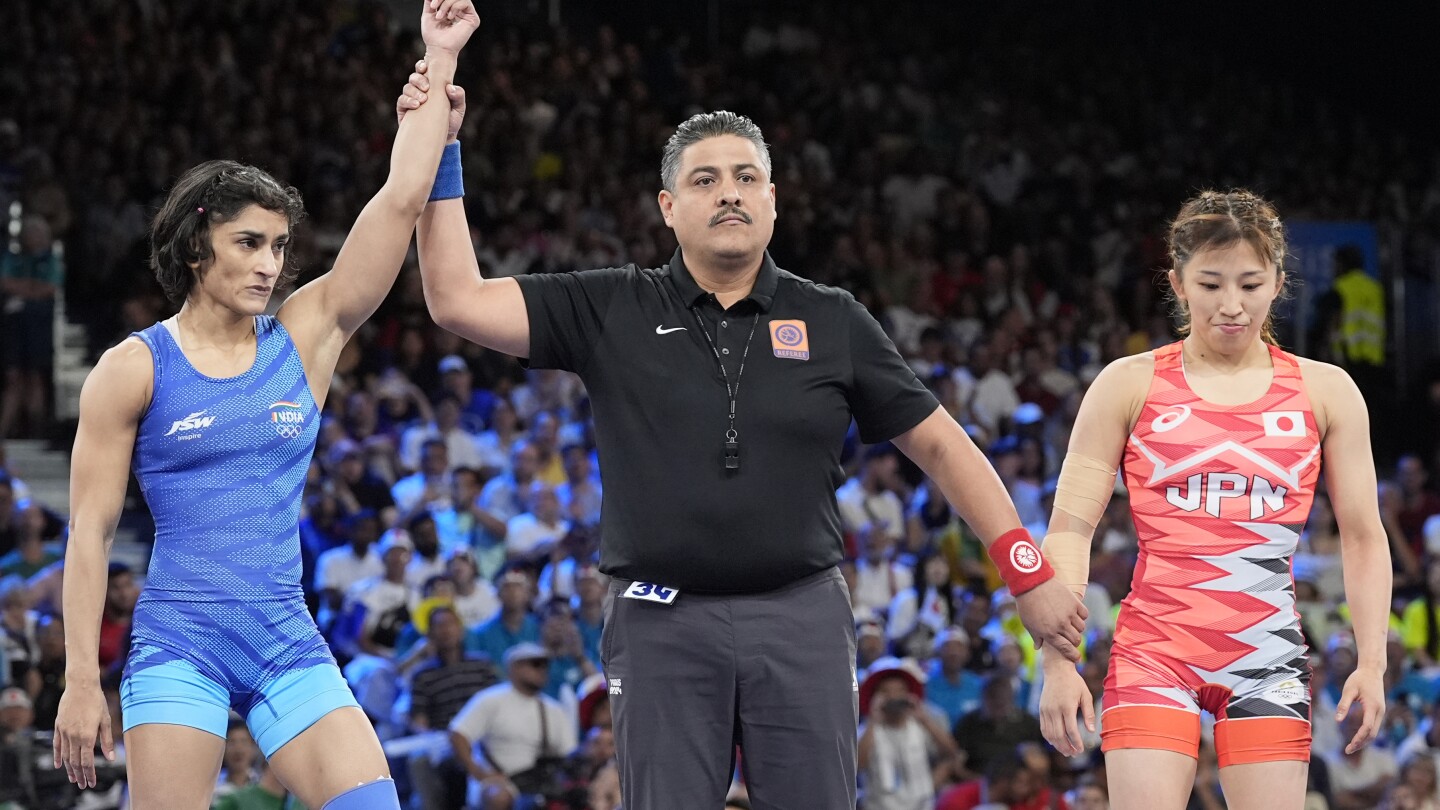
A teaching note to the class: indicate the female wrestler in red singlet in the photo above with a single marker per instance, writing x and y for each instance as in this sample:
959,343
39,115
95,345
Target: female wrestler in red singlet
1221,436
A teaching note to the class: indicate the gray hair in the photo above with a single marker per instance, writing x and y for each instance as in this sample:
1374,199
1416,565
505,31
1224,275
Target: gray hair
700,126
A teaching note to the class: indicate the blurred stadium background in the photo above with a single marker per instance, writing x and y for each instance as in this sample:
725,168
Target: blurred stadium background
992,180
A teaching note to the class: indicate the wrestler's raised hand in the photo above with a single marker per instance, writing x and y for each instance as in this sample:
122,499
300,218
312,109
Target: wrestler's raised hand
446,25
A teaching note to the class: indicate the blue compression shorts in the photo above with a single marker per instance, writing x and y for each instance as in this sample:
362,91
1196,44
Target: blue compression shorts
280,709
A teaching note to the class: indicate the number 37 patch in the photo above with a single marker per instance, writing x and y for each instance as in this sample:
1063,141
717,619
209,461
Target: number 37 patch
650,592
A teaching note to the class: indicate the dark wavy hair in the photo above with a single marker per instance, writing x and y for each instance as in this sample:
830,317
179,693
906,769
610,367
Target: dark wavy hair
210,194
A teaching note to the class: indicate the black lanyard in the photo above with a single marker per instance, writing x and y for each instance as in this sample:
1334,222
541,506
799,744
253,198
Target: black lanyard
732,444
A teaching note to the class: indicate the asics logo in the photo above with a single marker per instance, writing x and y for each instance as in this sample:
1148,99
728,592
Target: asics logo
194,421
1170,419
660,330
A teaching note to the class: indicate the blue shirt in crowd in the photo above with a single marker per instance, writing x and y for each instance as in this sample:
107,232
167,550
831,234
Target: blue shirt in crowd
493,638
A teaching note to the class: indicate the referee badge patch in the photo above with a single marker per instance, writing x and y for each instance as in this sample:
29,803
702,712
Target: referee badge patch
650,592
789,340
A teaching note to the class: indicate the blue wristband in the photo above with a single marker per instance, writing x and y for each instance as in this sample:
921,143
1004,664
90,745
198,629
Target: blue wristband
449,179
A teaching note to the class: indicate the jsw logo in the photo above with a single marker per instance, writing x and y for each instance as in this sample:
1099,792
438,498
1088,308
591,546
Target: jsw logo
194,421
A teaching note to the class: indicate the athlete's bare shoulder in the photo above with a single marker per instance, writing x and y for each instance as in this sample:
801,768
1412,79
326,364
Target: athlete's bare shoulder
1136,368
1332,392
1319,371
123,377
1122,385
130,355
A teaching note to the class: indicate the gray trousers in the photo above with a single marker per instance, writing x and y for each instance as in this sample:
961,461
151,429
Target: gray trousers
772,672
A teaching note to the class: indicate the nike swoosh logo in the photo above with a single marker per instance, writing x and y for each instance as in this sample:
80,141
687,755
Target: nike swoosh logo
662,331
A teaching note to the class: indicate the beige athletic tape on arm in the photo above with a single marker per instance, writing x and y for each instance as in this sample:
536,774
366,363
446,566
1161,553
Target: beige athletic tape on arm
1081,496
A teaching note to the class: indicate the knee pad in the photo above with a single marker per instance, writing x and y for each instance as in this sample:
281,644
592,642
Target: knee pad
377,795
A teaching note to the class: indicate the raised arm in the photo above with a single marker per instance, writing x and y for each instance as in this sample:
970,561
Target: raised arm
487,311
490,312
322,315
112,401
1364,548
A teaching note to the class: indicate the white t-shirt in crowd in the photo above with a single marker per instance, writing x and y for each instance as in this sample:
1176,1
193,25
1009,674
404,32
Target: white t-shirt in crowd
525,533
501,497
380,597
340,569
899,776
459,442
994,400
479,606
876,587
421,570
508,723
859,509
1373,765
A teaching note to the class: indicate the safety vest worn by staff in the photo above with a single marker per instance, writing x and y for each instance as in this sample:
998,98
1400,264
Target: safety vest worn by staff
1361,338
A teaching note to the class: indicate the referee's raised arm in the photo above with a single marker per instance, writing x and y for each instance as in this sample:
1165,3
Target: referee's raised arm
487,311
490,312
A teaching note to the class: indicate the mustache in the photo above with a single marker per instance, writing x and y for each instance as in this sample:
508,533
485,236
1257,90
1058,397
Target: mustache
730,212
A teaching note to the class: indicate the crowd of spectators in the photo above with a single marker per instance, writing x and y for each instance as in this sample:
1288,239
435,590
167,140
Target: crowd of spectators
999,207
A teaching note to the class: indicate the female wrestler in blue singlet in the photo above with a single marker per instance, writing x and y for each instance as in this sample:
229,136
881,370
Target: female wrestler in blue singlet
217,409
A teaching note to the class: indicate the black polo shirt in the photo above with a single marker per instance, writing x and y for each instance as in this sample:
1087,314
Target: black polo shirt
672,513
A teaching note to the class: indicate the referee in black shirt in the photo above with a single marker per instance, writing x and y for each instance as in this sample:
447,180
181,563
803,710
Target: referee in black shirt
722,388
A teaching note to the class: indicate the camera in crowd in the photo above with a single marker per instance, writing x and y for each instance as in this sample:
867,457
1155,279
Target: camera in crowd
897,707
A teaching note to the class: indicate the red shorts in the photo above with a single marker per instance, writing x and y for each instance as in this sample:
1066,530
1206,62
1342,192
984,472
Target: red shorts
1154,701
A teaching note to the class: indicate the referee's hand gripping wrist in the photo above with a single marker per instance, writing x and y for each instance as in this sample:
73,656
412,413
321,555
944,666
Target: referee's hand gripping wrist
1048,609
417,92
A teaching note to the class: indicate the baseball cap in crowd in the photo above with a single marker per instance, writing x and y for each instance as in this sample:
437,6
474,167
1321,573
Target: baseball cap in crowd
513,577
423,611
949,634
393,539
906,668
452,362
526,651
865,629
14,697
592,690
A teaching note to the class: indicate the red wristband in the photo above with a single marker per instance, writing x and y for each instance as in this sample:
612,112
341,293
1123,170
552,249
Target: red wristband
1021,564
